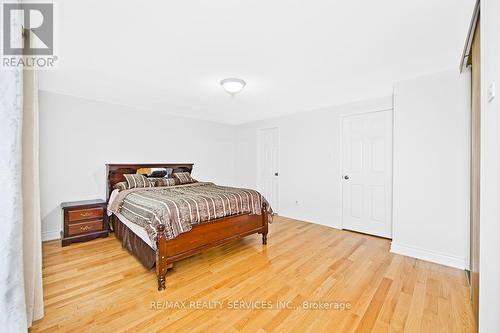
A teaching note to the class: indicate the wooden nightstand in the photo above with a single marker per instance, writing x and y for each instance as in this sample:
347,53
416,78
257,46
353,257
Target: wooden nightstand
84,220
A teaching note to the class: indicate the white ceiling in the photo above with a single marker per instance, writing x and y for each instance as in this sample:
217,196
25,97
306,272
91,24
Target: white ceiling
169,56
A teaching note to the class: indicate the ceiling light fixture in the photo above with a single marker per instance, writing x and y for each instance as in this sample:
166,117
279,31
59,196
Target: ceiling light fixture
233,86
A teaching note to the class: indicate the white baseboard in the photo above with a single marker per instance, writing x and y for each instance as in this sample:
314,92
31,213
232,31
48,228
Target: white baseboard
428,255
310,220
409,251
51,235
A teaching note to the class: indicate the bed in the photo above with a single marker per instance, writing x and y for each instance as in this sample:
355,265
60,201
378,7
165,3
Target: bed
166,224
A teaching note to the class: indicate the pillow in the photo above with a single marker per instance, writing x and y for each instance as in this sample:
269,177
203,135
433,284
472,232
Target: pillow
121,186
162,181
160,172
143,171
135,180
183,177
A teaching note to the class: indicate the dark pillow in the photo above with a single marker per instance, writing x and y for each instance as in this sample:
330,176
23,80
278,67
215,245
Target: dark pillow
162,181
158,173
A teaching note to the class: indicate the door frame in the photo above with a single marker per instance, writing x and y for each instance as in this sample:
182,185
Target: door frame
474,264
341,160
275,208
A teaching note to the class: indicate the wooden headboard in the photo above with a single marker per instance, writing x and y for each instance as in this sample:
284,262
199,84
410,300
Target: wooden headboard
115,172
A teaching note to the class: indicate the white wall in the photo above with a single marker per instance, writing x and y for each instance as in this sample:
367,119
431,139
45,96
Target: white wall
78,137
431,168
431,165
309,142
489,262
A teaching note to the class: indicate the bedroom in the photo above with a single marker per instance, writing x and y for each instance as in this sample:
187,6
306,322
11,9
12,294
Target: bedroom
290,166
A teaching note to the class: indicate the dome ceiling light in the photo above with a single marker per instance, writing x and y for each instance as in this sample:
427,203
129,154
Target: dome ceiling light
232,85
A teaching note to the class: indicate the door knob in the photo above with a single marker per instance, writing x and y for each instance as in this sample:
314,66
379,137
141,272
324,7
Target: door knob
346,177
276,174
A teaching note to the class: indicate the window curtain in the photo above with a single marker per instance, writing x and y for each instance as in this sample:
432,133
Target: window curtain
21,297
32,233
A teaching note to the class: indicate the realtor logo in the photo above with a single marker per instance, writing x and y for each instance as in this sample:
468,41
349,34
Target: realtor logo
28,35
37,21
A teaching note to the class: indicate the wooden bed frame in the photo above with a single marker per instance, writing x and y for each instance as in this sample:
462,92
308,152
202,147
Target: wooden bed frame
201,237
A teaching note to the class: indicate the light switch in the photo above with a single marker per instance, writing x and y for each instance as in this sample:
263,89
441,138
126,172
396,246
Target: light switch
491,92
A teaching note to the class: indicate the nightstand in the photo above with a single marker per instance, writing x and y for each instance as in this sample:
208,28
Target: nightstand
84,220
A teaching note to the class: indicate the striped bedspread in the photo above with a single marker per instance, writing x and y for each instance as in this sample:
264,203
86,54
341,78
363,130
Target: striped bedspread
181,207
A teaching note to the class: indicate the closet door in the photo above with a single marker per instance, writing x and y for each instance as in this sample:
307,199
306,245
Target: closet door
475,169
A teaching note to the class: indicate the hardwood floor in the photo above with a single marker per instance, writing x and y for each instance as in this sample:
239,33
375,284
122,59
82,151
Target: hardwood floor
98,286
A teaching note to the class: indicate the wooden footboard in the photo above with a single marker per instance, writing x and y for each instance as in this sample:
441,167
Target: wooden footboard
206,236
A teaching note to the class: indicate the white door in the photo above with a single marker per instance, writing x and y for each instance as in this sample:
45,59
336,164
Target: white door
367,173
268,176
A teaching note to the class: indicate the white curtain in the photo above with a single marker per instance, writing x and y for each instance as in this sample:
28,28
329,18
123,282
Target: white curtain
12,302
20,239
32,233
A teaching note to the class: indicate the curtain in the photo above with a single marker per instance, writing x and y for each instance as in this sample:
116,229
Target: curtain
32,233
12,302
20,237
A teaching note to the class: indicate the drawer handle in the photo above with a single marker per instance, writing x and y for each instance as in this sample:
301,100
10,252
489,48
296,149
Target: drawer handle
86,214
85,228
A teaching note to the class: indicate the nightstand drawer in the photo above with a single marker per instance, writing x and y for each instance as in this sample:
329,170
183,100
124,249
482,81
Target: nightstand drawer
85,227
85,214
